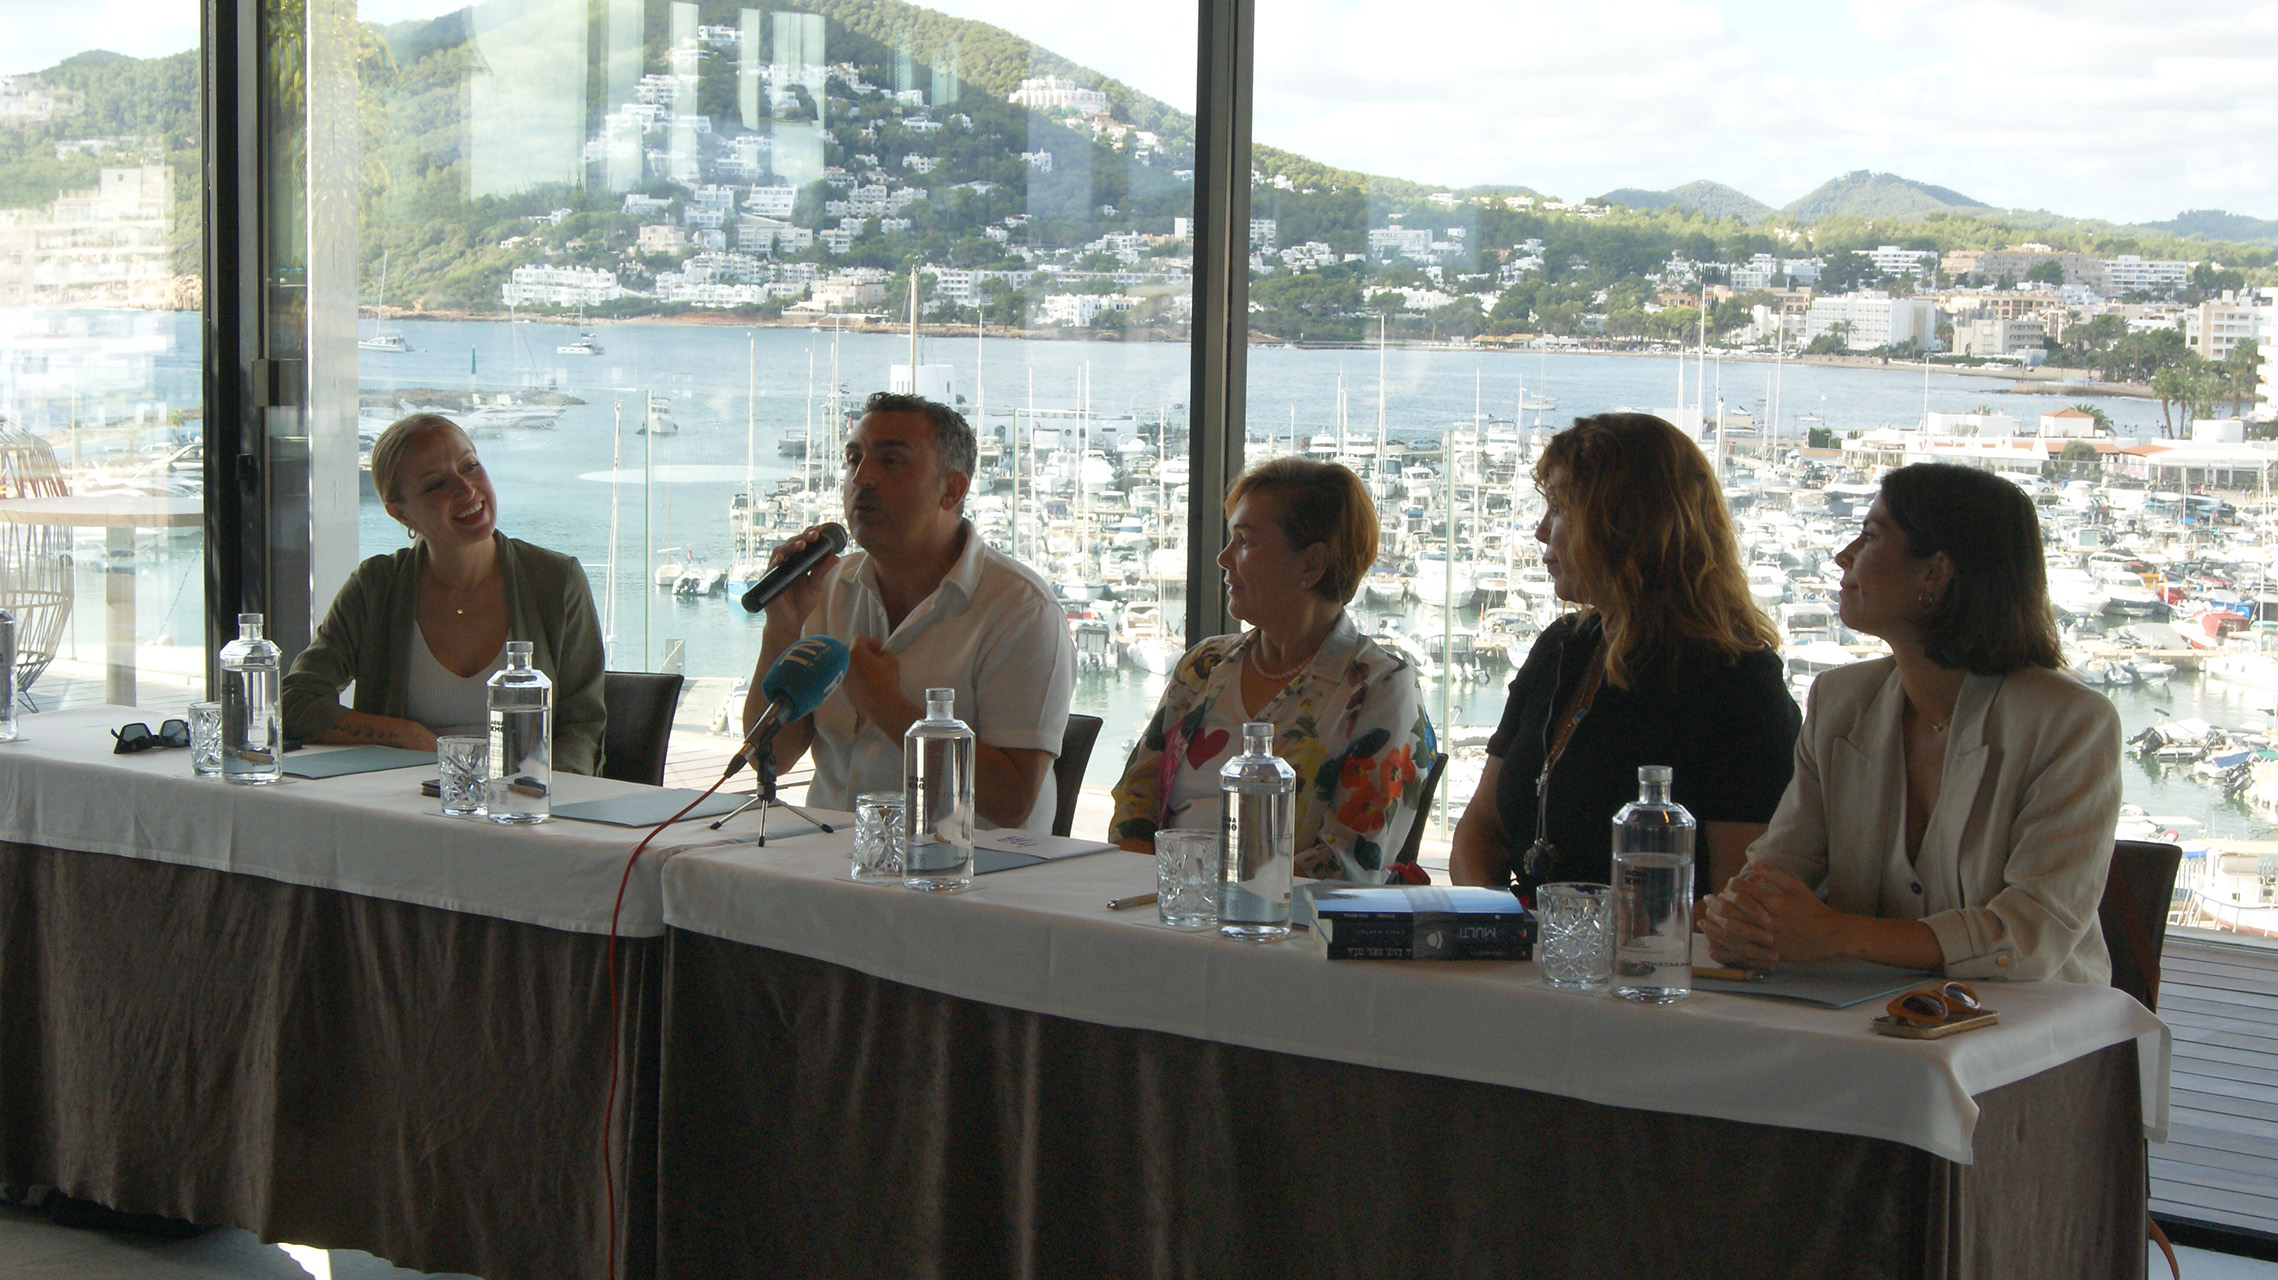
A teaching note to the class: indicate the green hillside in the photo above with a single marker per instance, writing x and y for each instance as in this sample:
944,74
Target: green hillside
2214,224
1714,199
1862,194
449,251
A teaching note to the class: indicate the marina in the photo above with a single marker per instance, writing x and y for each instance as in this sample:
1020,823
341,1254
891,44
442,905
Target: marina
674,458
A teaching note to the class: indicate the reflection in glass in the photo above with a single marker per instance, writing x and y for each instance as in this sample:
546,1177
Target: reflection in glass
658,349
100,394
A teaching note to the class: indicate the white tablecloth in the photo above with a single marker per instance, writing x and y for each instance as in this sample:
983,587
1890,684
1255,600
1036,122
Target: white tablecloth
1039,939
371,834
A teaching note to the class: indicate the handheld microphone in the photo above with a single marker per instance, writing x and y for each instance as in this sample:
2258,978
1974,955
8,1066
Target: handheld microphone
829,541
806,674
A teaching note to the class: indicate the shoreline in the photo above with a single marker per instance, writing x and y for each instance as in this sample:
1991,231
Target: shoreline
2023,380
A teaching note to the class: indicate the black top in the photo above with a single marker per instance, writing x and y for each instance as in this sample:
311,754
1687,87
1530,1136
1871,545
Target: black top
1726,727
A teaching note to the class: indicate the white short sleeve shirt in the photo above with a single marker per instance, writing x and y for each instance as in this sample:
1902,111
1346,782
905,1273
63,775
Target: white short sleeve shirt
992,631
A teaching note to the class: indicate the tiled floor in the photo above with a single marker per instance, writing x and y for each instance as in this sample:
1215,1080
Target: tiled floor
31,1246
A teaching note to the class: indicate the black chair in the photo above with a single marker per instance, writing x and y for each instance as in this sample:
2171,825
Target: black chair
2138,893
1415,839
640,706
1068,770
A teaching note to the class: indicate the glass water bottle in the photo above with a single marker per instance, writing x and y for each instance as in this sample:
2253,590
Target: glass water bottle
1258,853
521,787
937,798
1653,894
252,738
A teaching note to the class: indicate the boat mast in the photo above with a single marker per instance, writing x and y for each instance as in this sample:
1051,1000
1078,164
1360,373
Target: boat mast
1779,369
1379,468
751,434
1700,365
807,460
616,480
648,519
980,388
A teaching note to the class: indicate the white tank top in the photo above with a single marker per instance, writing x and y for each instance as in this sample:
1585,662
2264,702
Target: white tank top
446,703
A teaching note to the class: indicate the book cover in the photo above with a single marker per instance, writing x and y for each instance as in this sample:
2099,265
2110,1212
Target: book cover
1421,922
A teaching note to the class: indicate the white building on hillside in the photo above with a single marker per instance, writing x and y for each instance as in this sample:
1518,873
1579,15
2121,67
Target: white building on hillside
1387,243
2129,273
1894,261
1050,92
109,246
543,286
2216,326
1873,319
1081,309
2020,338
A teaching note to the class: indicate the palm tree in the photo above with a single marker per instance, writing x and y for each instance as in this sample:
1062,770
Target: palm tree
2103,419
2210,383
2172,384
2242,370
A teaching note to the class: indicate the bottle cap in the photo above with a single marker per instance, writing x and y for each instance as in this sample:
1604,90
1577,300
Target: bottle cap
518,648
249,619
1653,773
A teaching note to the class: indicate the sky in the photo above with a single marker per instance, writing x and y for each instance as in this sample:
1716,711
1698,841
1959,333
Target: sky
2097,108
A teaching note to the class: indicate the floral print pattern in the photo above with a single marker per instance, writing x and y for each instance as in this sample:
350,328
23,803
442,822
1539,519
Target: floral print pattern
1352,726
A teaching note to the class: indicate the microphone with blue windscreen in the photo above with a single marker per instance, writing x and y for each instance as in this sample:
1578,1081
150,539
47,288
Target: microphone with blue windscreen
800,680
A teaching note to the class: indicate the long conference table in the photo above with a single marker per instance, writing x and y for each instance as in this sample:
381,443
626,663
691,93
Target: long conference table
320,1012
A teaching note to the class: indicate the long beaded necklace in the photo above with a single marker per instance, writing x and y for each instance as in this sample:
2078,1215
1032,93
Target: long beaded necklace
1541,857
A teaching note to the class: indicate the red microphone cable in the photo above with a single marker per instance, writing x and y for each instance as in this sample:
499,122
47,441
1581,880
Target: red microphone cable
609,1106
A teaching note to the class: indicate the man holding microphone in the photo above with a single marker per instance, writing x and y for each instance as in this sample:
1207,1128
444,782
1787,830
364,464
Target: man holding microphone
925,603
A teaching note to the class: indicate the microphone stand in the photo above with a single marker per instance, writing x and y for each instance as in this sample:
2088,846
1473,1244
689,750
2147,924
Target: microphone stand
763,765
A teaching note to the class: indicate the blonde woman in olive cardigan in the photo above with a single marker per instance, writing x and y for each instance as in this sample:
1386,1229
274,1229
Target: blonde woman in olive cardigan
420,630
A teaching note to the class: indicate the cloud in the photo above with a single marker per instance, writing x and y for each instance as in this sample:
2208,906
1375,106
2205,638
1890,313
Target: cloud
2084,107
1161,64
2104,108
34,37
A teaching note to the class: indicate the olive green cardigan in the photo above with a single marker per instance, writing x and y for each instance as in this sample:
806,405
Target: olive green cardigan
367,636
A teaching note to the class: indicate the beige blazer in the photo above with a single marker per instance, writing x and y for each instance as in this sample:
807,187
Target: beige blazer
2012,863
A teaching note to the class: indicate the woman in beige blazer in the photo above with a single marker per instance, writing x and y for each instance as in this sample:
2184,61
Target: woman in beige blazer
1953,804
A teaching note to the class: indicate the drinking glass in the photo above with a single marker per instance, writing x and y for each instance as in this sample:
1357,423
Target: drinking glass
463,768
205,739
1186,878
1572,915
878,837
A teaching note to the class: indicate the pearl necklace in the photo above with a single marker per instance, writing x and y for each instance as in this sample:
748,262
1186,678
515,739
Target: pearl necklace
1277,677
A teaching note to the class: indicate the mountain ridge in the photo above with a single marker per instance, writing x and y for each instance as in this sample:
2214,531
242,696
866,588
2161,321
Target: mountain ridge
1713,199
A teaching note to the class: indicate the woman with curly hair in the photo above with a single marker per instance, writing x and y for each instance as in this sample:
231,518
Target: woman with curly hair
1667,662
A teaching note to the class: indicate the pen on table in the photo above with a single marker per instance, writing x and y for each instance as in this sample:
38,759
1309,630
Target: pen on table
1729,975
1135,900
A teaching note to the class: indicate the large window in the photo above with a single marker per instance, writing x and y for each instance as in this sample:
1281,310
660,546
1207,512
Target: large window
1452,259
101,407
1809,246
654,255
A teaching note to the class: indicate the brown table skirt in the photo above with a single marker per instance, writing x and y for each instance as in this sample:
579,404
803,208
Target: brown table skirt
817,1122
321,1068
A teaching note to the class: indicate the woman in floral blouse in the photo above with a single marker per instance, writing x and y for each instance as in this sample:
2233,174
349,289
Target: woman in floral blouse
1347,714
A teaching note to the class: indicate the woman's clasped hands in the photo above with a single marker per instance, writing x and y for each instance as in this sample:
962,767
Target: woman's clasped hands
1764,916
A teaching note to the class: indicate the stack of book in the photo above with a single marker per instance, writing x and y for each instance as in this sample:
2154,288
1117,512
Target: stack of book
1420,922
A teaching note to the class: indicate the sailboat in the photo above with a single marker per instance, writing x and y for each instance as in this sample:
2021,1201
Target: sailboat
582,345
382,340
